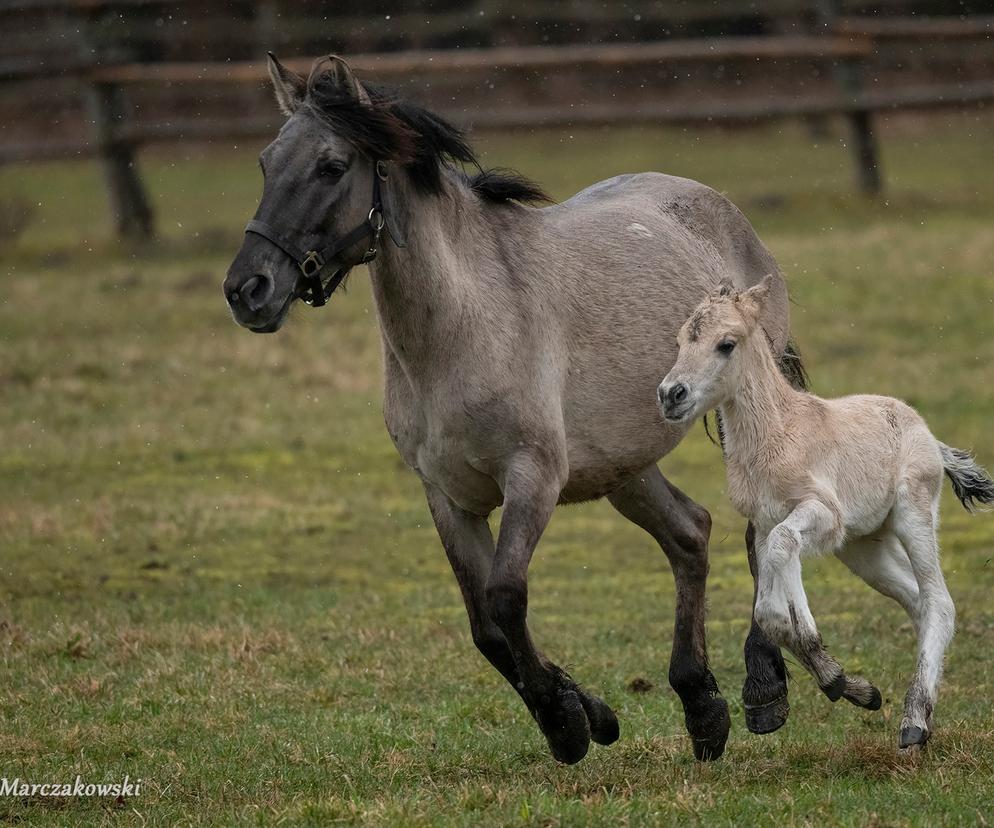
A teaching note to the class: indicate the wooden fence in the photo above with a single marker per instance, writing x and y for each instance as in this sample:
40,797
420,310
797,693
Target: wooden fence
834,52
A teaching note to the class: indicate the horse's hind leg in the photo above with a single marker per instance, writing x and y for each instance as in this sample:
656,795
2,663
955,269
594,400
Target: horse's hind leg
914,521
469,546
681,528
764,694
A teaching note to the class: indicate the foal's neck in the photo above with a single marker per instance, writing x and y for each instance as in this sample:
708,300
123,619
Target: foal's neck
756,414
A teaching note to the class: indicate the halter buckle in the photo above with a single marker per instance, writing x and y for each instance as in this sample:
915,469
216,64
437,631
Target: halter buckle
312,264
376,222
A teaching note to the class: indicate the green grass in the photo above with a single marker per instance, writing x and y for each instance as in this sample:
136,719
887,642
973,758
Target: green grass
216,574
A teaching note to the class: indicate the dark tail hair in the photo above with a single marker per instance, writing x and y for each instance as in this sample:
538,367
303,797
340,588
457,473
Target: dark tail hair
790,366
971,483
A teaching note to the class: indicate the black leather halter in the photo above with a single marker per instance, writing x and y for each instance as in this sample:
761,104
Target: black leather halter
316,264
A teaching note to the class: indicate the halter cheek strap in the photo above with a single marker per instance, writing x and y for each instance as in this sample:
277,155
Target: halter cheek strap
315,264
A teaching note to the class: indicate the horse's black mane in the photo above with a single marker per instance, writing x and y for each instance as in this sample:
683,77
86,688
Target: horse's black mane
392,129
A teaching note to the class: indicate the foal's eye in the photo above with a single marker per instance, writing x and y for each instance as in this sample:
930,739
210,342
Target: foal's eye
332,170
726,346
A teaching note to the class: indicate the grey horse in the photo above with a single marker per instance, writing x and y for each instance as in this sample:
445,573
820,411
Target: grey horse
522,349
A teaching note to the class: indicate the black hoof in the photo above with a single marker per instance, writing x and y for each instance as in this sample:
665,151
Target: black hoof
566,728
709,731
835,688
912,738
603,723
873,702
767,718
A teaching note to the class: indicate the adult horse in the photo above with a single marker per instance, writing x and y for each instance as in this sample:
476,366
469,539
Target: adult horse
522,350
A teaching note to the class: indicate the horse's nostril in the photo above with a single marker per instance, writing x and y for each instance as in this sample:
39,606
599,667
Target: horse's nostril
256,291
678,393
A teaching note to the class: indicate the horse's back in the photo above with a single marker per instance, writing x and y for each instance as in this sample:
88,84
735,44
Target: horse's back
629,259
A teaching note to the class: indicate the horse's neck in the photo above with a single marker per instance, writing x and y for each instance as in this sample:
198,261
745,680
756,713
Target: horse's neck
755,416
424,290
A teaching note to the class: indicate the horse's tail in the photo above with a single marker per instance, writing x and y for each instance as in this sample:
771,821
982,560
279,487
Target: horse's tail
971,483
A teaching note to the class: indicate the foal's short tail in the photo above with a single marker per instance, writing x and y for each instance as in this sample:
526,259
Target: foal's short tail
970,482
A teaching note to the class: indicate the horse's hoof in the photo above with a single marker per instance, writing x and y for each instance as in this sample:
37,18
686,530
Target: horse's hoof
566,728
766,718
912,739
604,727
709,732
867,697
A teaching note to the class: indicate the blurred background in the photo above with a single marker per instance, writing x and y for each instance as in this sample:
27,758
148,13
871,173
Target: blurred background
215,571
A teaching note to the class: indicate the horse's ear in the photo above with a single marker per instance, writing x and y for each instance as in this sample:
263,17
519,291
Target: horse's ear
336,71
290,87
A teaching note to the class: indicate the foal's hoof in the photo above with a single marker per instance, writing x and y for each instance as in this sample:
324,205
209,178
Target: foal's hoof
766,718
566,728
709,730
835,688
603,723
912,739
863,694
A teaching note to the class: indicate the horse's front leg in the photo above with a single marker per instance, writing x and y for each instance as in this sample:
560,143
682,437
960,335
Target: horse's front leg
782,605
682,528
567,715
764,694
469,547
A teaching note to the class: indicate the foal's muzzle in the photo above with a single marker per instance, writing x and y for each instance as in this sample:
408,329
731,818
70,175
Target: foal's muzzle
675,401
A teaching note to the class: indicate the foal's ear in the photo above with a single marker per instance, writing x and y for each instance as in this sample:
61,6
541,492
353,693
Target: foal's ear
290,87
757,293
336,72
725,287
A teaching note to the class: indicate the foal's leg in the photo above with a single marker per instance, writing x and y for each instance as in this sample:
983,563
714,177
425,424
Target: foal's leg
764,694
884,564
568,716
914,520
469,546
782,605
681,528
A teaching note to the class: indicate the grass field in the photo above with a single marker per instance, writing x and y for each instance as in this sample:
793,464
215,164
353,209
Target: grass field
217,576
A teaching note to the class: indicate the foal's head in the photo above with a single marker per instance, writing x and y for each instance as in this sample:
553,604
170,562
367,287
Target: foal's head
714,343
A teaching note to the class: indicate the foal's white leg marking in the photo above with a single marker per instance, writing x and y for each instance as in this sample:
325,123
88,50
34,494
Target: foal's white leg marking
884,564
915,520
782,605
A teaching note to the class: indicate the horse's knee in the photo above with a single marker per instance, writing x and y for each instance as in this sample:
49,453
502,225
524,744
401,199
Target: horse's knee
507,602
688,548
492,644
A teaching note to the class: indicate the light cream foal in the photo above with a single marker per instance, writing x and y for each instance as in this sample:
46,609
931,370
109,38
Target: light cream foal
859,476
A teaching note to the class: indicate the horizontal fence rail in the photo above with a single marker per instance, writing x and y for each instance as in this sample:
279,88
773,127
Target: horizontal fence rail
838,50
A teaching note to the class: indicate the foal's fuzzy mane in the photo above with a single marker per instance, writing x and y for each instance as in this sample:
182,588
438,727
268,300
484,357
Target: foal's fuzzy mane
387,127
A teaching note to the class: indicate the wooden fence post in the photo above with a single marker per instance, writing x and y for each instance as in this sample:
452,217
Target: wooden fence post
849,78
129,203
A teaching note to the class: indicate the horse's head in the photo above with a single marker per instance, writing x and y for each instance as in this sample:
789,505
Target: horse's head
713,342
324,176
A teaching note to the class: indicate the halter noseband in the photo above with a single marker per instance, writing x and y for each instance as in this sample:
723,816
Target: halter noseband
315,264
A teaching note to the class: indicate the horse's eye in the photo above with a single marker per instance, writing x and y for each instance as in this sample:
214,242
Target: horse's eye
726,346
332,171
